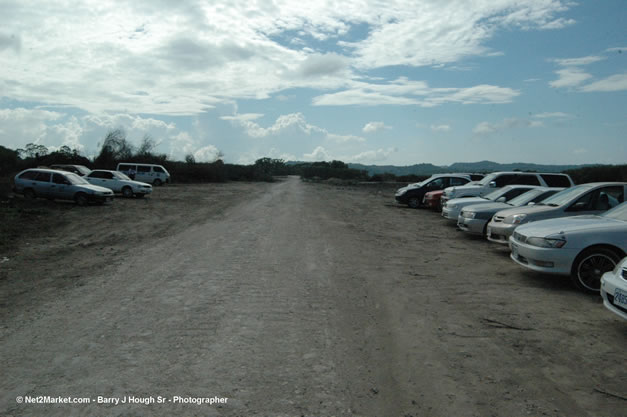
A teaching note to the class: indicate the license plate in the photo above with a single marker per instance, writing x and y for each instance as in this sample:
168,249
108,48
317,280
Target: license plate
514,250
620,298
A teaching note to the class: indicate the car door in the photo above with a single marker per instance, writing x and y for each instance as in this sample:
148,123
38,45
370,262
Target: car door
598,201
61,187
41,184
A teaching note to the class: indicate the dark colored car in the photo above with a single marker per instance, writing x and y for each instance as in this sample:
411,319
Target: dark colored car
413,194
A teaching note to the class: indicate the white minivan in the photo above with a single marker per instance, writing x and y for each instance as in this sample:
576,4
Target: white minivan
150,173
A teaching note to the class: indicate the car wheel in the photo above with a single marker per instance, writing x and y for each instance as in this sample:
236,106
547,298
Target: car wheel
157,182
29,194
127,192
590,265
81,199
414,202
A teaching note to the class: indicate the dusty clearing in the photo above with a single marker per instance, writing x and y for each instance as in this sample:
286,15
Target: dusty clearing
290,299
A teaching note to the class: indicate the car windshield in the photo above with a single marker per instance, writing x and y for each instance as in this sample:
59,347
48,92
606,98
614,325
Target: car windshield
487,179
121,176
495,194
83,169
524,198
566,196
619,212
75,179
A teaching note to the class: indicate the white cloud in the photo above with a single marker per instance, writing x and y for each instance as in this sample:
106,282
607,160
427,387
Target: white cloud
372,127
569,77
207,153
485,128
162,58
575,62
440,128
406,92
553,115
283,123
616,82
372,156
344,138
318,154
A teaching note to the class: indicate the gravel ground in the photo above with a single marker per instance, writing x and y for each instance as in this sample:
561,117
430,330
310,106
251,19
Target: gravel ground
289,299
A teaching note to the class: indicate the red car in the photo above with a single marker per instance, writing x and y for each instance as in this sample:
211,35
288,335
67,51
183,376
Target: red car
432,200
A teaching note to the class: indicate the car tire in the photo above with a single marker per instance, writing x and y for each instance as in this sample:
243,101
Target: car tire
127,192
590,265
157,182
413,202
29,194
81,199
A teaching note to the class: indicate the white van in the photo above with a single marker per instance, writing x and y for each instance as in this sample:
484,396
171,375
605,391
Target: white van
150,173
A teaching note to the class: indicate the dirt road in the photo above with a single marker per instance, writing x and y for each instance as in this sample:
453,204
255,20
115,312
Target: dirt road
293,299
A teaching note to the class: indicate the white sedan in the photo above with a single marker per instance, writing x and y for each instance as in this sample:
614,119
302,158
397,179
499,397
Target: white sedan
584,247
118,183
614,289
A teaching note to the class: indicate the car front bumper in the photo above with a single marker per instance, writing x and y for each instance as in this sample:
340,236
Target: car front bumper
614,293
450,213
500,232
550,260
473,226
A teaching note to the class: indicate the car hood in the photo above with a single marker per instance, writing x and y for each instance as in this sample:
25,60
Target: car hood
572,224
95,188
467,201
529,210
131,182
487,207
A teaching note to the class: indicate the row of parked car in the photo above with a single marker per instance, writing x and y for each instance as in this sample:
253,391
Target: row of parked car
549,224
79,183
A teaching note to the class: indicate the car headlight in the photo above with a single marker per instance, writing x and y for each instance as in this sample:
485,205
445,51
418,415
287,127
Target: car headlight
469,214
546,242
515,219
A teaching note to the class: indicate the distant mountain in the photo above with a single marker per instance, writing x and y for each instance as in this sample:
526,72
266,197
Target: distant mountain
478,167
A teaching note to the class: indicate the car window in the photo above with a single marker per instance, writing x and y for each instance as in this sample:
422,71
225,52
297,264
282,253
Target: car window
458,181
514,193
436,184
58,179
141,168
543,196
567,195
526,179
28,175
601,199
107,175
157,169
619,212
127,167
554,180
525,197
504,180
95,174
42,176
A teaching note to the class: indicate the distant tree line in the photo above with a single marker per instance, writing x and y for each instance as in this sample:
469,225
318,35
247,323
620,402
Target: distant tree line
116,148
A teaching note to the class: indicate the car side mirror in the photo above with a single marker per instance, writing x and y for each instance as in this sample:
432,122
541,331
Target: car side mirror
531,203
579,206
66,182
501,199
492,184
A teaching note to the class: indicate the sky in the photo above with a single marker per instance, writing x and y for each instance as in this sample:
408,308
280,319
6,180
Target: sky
366,81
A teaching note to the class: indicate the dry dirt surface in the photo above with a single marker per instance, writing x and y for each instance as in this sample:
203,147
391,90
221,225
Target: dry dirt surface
289,299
